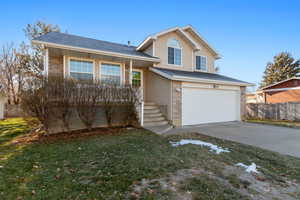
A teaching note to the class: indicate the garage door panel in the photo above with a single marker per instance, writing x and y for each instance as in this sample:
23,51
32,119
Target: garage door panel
209,105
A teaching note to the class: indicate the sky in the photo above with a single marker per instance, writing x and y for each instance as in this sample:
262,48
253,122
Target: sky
247,33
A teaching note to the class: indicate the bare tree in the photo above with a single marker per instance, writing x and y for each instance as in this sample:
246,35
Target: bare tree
33,31
11,73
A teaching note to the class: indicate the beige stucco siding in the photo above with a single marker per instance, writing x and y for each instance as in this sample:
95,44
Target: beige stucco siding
188,52
149,50
159,91
161,51
204,51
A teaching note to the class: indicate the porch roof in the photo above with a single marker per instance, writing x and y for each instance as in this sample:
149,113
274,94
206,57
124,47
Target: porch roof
67,41
196,76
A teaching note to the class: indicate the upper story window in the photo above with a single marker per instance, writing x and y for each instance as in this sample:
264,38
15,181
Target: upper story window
81,70
110,73
174,52
201,63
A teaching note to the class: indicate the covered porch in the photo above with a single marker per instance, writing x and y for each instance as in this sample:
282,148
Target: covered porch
155,90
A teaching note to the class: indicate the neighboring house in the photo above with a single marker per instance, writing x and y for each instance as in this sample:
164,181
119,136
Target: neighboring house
255,97
174,68
283,91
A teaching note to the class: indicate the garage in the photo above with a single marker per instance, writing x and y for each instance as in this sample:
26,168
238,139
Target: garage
209,105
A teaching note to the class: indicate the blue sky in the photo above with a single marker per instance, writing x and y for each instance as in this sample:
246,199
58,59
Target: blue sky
247,33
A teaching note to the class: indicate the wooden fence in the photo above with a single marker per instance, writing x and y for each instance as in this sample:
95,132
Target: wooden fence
279,111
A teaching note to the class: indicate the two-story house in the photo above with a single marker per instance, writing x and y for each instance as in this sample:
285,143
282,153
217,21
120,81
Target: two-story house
175,70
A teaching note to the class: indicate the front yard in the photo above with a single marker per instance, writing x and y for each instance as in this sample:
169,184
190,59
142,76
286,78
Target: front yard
137,164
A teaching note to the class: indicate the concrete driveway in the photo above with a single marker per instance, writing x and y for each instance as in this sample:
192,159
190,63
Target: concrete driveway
275,138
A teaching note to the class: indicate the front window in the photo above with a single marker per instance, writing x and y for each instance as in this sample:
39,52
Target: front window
201,63
81,70
136,79
174,52
110,74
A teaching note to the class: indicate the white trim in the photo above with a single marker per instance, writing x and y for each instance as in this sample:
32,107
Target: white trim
155,36
87,50
200,80
142,80
281,89
64,65
142,113
82,59
297,78
181,52
200,70
203,39
46,62
144,42
130,72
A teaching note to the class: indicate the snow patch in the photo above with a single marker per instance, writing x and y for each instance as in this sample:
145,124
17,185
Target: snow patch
213,148
250,168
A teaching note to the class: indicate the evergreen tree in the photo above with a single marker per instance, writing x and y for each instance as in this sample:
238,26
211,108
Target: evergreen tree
283,67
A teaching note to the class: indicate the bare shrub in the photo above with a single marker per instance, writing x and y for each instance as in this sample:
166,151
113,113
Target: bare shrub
36,101
86,100
62,92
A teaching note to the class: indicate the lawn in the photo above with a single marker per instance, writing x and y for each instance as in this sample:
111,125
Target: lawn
283,123
138,164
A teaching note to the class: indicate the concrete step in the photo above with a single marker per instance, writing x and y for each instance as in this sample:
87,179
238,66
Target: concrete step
153,119
149,104
146,115
147,124
151,111
150,107
160,129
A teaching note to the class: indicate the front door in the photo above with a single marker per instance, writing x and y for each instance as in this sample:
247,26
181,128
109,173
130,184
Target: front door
137,80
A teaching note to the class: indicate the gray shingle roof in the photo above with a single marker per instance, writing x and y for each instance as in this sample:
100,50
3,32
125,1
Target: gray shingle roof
200,75
83,42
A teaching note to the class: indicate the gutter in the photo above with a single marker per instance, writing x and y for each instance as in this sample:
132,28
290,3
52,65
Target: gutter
200,80
87,50
281,89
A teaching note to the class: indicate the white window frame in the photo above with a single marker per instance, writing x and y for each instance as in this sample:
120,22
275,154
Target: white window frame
142,81
201,70
122,68
181,50
81,59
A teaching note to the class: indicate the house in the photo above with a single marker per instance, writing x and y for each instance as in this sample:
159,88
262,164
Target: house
283,91
175,70
254,97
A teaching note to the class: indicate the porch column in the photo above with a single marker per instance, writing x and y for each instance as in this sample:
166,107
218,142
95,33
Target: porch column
130,72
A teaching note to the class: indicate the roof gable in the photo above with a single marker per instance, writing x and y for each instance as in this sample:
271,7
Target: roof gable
182,32
280,82
202,39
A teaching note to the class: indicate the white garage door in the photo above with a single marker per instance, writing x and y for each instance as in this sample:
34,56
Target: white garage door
209,105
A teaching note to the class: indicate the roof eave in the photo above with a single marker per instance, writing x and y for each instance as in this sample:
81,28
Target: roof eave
87,50
189,79
274,84
217,54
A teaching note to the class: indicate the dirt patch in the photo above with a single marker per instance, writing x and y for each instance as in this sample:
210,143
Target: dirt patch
36,137
234,183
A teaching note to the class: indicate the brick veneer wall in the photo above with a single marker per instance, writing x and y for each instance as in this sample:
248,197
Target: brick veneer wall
176,103
243,103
